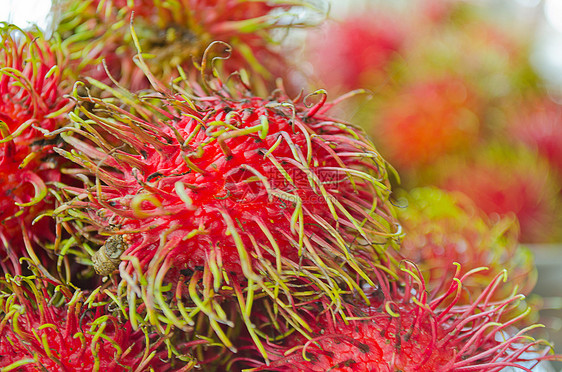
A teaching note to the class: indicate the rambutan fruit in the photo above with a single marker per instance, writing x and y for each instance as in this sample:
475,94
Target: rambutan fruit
409,328
428,120
443,227
174,33
506,180
31,103
473,42
539,127
59,329
355,52
238,191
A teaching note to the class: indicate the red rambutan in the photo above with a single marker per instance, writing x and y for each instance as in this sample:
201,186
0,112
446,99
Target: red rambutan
47,329
173,33
355,53
441,228
409,328
504,180
427,121
31,102
226,187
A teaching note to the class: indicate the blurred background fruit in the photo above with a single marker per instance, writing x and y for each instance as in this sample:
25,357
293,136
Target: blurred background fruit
459,97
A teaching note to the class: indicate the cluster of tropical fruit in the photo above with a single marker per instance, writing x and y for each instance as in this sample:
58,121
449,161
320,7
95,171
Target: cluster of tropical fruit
168,205
455,102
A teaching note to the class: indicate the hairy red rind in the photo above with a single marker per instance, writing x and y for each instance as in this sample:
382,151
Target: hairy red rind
408,328
32,103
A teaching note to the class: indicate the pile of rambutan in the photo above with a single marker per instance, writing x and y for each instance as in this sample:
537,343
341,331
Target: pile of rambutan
160,214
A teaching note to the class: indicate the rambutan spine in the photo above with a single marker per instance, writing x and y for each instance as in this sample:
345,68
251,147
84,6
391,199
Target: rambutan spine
252,171
407,328
173,32
58,328
32,103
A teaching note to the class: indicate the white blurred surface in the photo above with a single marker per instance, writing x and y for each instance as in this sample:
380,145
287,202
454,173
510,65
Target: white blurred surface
553,12
27,13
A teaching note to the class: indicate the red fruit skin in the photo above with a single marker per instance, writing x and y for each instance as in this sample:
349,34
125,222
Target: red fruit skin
355,52
176,34
444,227
31,96
511,182
73,337
408,328
213,11
371,345
540,128
428,120
226,198
224,193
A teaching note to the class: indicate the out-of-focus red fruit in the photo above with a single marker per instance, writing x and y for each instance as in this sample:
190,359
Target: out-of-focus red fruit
470,41
31,102
355,52
426,121
442,227
539,127
503,180
437,11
